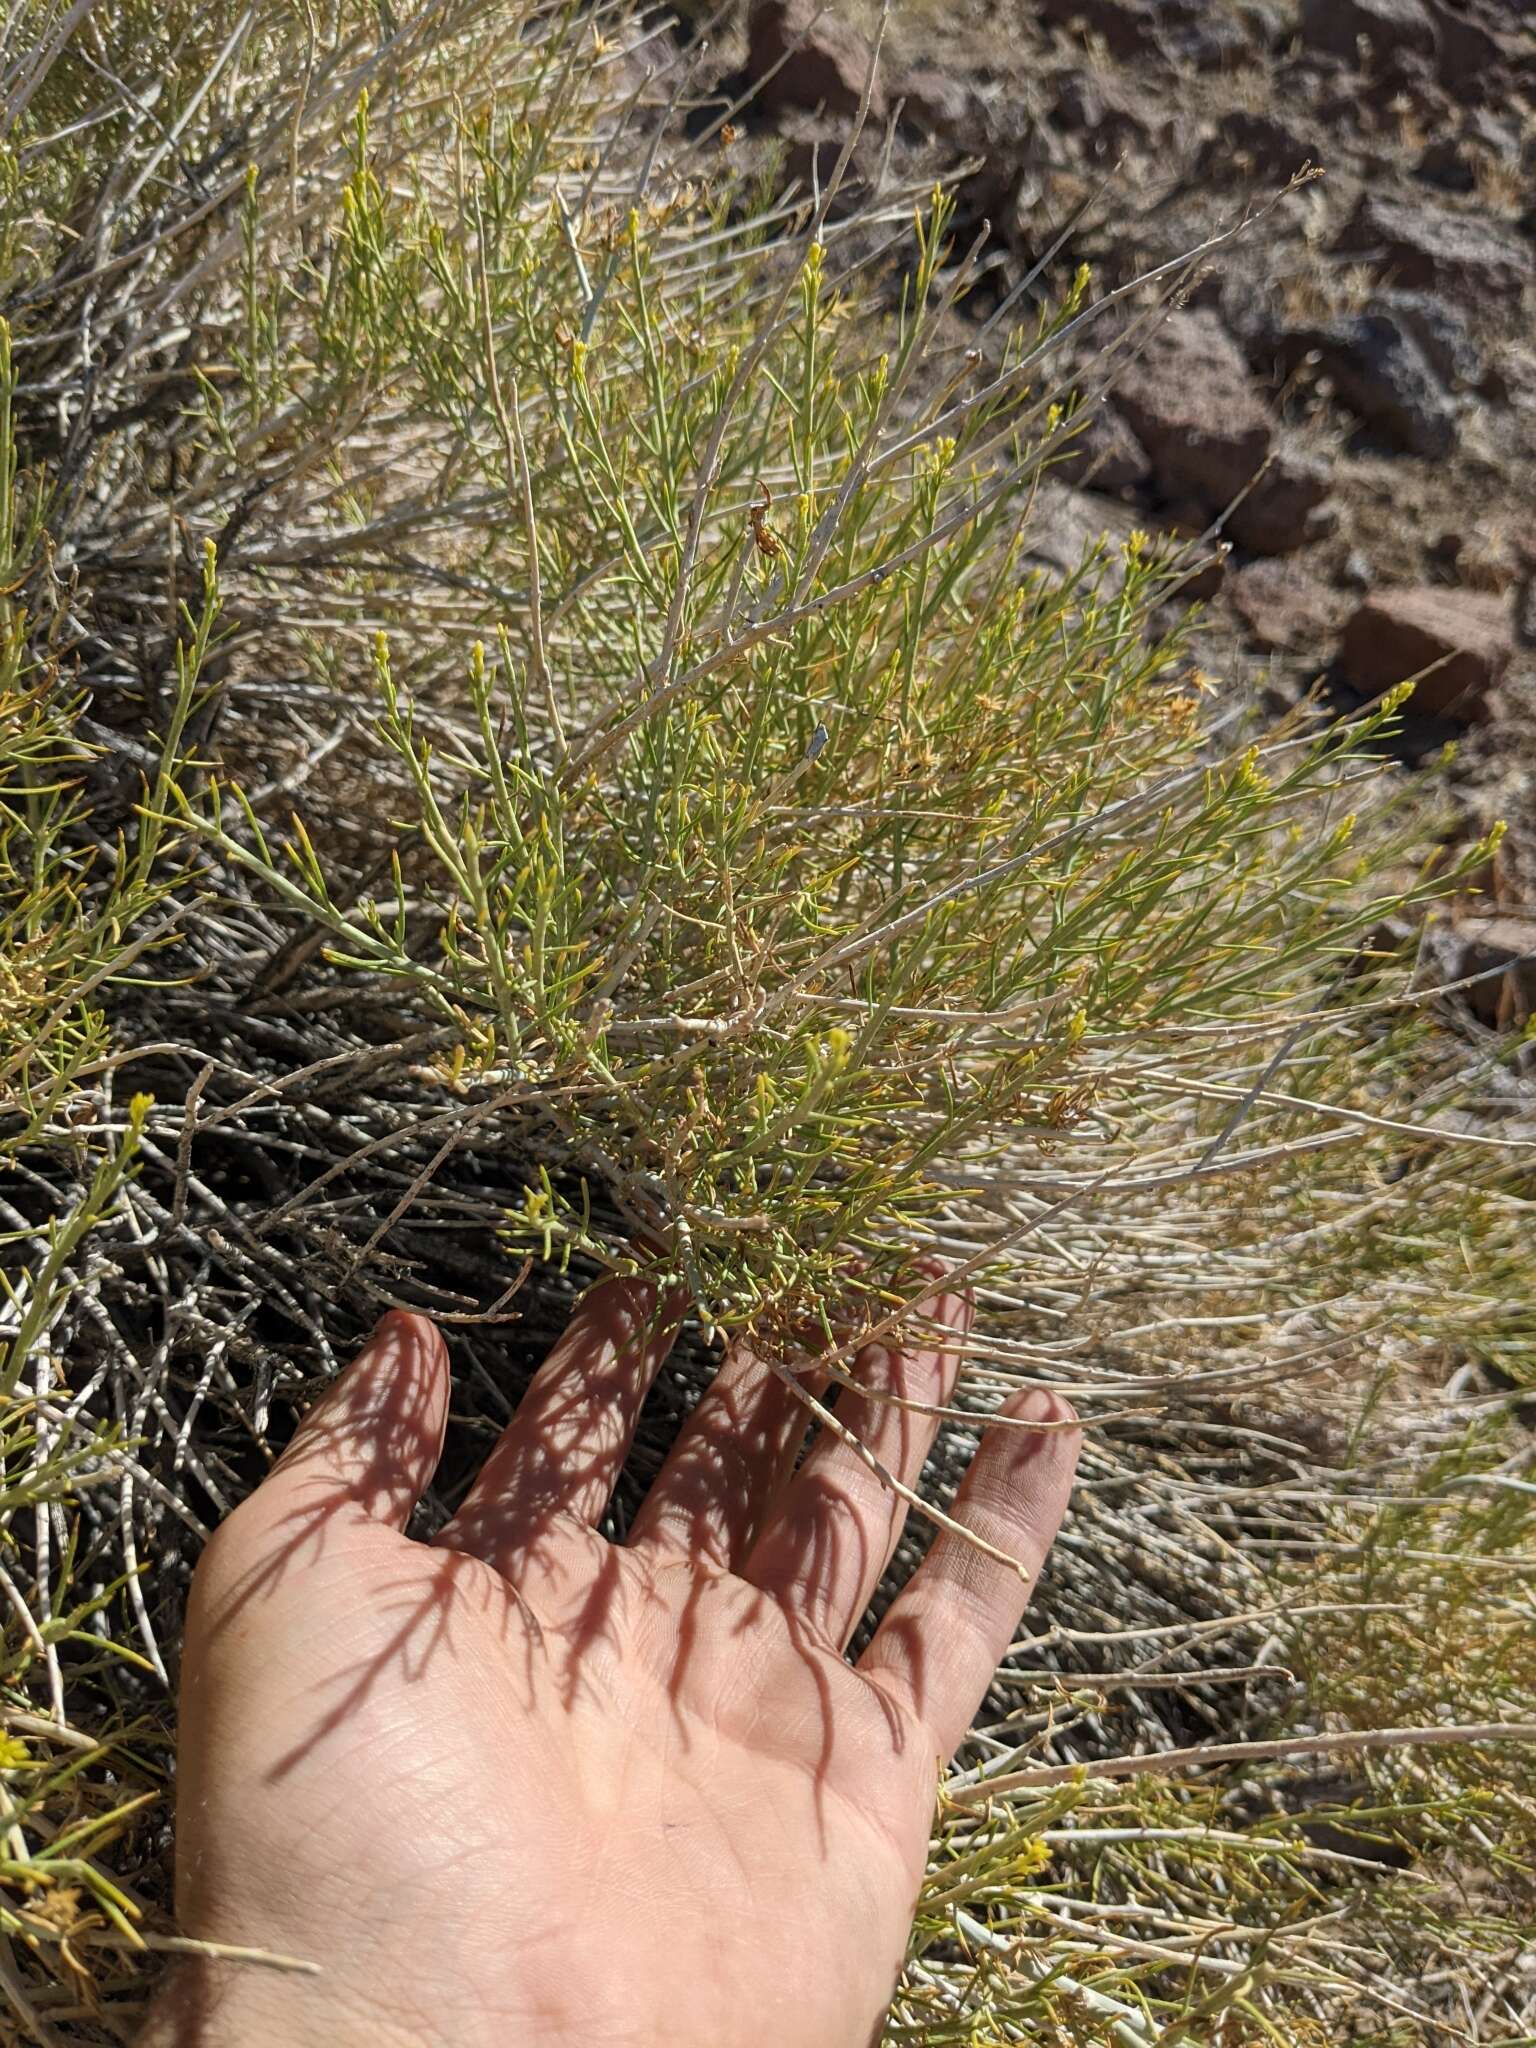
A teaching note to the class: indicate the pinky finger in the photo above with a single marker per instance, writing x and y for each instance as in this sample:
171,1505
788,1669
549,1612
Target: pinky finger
938,1648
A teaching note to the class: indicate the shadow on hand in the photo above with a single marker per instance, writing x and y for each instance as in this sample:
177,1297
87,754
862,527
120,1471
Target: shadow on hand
574,1613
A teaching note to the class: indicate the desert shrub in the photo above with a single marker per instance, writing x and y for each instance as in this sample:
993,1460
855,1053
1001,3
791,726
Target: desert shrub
536,722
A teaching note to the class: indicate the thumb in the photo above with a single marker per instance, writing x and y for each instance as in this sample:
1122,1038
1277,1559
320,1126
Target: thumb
371,1445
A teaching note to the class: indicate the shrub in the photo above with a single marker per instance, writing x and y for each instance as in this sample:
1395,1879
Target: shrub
535,722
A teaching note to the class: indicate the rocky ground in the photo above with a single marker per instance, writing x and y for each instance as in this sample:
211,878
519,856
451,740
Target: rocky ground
1348,387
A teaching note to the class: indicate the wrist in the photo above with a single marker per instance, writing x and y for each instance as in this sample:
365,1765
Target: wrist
208,2002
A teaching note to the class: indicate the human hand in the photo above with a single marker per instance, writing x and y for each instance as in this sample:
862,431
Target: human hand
522,1787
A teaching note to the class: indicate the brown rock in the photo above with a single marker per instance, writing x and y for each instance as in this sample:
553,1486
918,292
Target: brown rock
1494,776
1254,145
936,104
1126,26
1501,952
814,60
1379,370
1453,161
1417,243
1525,605
1512,879
1078,102
1442,335
1189,553
1403,81
1216,43
1176,32
1468,52
1103,454
1065,526
1463,636
1340,27
1093,105
1287,508
1190,404
813,147
1285,609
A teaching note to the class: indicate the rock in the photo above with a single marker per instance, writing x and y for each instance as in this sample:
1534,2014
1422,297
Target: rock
1445,549
1494,777
1249,145
1103,453
1402,80
1525,607
1268,23
1124,26
1395,633
1380,372
1187,399
1200,579
813,147
1467,53
1441,334
1216,44
1001,195
1186,518
815,60
1284,608
1078,102
1340,27
1064,526
1099,109
1448,163
1483,129
1486,561
1190,404
1423,246
1355,571
1452,161
1254,313
1307,77
1500,951
1287,508
940,106
1507,786
1180,32
1482,558
1198,564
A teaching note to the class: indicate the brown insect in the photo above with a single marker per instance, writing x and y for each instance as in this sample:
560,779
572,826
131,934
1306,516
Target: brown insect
768,542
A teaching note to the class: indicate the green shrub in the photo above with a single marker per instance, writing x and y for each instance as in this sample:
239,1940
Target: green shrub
533,724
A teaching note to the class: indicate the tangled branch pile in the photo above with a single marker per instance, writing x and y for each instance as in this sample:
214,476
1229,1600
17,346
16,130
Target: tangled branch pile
536,731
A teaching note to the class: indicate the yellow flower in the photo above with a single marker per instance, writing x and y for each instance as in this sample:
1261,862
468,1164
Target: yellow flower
1032,1858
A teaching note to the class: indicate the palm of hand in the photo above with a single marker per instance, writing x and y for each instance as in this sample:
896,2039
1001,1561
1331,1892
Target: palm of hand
524,1785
